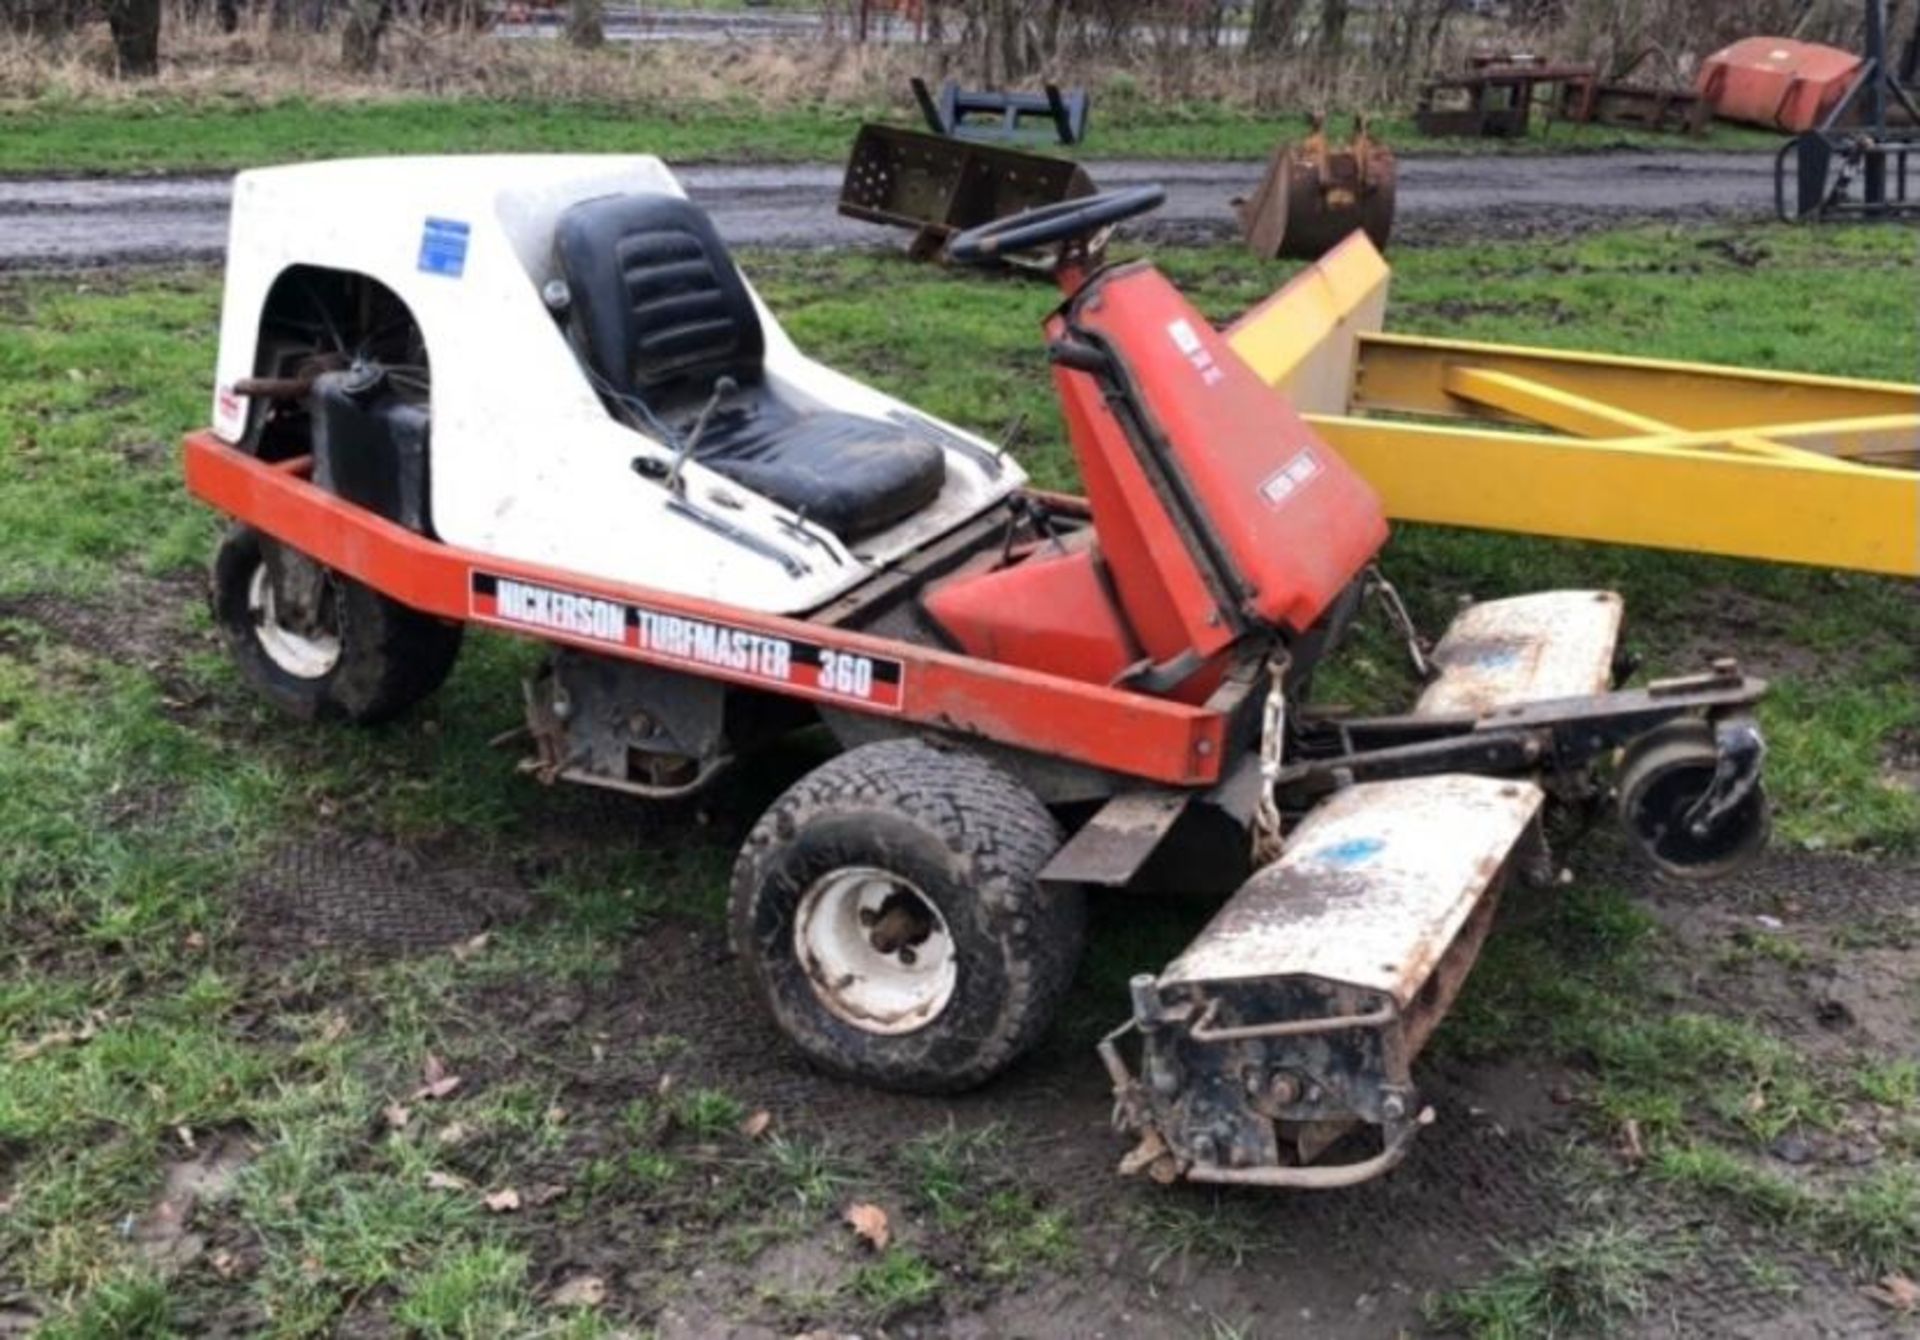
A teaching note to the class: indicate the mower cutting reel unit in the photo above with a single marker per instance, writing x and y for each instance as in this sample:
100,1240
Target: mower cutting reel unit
1037,696
1316,193
956,175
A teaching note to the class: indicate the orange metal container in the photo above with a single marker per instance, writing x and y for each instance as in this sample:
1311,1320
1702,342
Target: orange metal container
1777,82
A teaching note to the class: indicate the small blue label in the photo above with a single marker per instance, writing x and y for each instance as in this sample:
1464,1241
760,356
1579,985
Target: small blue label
443,247
1352,852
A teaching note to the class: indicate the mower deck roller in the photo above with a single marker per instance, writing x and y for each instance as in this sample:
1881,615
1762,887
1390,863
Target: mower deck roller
1297,1013
939,186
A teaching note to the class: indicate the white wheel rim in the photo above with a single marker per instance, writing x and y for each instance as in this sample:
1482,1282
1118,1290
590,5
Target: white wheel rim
300,655
876,950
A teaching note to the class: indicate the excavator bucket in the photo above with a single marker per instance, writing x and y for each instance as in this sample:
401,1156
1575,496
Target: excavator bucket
1316,193
939,186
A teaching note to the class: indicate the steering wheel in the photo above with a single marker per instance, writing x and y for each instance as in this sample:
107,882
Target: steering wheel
1080,217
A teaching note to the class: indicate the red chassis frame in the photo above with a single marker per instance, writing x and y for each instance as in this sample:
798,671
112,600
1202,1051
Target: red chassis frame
1128,733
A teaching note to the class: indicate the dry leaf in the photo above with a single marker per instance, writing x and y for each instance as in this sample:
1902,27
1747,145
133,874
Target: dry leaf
580,1291
454,1133
1756,1101
870,1222
185,1136
466,949
439,1083
1896,1292
756,1125
397,1115
504,1201
545,1193
556,1115
446,1181
59,1037
335,1028
1631,1148
1142,1155
225,1264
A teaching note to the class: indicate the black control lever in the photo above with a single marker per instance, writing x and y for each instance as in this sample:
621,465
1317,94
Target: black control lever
722,388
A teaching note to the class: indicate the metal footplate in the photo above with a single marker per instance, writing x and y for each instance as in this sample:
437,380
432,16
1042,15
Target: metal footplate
1296,1014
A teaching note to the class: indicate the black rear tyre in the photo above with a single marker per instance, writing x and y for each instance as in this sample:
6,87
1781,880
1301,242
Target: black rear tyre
357,656
888,914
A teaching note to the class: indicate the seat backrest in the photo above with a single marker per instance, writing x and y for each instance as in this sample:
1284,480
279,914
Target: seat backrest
656,298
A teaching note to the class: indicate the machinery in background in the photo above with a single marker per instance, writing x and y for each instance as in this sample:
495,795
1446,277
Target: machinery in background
977,161
1316,193
1497,96
1847,160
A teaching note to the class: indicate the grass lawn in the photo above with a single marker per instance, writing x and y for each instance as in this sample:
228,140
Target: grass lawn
202,1125
169,135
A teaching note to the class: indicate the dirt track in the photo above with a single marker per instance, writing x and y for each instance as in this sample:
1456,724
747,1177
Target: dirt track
61,224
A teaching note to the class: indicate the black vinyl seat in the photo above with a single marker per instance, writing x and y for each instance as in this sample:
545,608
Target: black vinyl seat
662,314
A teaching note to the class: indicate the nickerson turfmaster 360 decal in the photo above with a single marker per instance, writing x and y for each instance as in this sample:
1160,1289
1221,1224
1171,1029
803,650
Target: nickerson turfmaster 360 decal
657,635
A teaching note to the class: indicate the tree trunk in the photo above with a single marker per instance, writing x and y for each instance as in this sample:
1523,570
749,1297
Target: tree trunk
1271,27
306,15
135,25
1333,24
360,36
584,27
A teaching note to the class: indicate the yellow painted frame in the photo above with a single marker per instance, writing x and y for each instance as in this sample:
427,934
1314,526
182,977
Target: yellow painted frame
1781,466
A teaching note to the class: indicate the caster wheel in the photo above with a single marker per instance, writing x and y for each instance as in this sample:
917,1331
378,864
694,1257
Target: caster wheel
1661,781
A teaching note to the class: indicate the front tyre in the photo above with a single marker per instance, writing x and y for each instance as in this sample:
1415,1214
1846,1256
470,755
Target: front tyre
888,913
345,653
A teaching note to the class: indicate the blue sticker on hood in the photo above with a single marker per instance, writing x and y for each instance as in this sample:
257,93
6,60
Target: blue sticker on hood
443,247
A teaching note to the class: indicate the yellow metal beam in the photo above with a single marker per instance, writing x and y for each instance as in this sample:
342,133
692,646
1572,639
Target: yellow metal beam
1305,339
1681,456
1888,438
1741,506
1575,414
1408,374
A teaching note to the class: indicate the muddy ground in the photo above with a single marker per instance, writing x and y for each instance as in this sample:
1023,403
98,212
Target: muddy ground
51,224
1500,1168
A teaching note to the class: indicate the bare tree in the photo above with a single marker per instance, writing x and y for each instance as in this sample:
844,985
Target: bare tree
1333,24
1270,28
135,25
585,28
360,35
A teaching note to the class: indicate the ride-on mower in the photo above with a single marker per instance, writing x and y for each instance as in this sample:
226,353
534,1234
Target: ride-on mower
537,395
